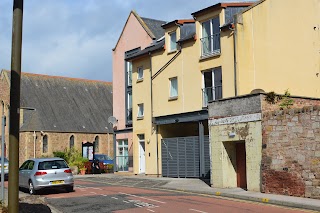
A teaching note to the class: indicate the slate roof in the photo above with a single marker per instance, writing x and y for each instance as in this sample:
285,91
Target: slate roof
155,26
158,45
65,104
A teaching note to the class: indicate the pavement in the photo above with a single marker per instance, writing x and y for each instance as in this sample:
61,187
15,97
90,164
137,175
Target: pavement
193,185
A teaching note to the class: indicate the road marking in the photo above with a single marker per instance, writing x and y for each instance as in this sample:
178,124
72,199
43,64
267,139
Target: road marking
197,210
104,195
114,198
125,201
138,205
150,210
142,197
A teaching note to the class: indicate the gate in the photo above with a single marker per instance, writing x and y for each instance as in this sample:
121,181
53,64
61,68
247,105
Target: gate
181,157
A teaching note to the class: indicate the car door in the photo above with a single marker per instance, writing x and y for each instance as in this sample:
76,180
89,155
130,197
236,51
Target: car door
22,173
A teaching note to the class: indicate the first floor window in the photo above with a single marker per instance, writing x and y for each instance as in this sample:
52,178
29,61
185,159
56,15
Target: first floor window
45,144
173,87
140,110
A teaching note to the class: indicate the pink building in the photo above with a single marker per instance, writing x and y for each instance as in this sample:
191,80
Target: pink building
136,34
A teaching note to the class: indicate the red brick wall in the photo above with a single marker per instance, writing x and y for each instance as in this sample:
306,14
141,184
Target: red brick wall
291,149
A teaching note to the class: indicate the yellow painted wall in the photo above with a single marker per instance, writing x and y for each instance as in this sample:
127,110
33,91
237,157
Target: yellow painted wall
278,48
142,94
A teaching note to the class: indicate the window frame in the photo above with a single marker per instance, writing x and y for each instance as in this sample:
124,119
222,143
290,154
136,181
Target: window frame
71,142
45,144
171,48
212,50
171,95
96,143
140,113
140,74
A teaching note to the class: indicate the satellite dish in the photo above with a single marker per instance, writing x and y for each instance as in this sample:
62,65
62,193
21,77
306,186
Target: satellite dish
112,120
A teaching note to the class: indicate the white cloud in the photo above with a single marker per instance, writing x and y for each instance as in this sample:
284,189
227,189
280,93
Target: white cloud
75,38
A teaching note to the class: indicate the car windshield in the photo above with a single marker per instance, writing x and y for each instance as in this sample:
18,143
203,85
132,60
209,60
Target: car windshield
5,160
102,157
54,164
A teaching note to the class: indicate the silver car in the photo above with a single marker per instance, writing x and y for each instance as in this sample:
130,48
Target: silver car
39,173
6,168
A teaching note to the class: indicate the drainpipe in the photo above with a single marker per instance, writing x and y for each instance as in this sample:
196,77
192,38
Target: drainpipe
235,55
34,144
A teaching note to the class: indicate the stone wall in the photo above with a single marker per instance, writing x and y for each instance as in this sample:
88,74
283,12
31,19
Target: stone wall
5,99
59,142
291,149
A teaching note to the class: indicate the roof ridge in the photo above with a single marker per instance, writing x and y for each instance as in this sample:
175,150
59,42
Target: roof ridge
64,77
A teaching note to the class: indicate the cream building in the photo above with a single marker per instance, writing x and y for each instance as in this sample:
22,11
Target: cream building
230,49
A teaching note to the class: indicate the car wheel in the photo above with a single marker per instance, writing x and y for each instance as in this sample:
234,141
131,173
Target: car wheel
32,191
69,188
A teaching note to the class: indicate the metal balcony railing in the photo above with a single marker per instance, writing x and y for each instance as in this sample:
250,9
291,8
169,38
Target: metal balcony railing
210,45
123,163
210,94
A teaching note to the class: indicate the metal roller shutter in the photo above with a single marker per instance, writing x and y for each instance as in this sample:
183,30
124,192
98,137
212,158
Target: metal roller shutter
181,156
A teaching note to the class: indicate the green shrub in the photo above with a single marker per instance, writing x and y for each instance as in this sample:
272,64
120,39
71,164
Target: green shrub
59,154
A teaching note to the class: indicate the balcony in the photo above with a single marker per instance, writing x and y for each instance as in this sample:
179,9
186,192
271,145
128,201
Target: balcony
211,94
210,45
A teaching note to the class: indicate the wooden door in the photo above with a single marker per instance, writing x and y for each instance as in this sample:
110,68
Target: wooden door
241,165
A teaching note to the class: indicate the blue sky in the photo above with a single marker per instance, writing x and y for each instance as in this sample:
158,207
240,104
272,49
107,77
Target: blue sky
74,38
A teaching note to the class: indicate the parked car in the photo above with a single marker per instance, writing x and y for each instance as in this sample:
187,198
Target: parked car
6,168
105,159
39,173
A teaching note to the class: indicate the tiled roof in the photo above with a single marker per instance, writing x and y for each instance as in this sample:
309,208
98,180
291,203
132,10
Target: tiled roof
155,26
65,104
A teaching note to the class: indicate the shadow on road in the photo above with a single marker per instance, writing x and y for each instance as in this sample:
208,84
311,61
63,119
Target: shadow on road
32,208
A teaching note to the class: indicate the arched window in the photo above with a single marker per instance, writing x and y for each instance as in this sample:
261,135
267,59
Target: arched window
45,144
96,140
71,143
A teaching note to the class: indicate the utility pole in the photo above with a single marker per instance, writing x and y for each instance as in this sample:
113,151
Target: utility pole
13,190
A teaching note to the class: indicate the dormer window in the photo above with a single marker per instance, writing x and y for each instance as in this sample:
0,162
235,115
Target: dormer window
173,41
210,41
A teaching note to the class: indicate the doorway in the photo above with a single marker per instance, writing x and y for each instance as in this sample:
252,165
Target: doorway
241,165
142,158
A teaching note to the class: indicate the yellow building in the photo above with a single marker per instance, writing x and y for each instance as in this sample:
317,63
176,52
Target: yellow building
211,57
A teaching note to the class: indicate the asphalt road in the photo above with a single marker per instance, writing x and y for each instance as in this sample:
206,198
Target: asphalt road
100,195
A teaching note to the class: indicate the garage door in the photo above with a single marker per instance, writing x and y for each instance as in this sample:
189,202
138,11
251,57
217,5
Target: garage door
181,157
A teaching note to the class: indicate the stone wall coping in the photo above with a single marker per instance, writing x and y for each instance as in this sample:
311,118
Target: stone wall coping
261,93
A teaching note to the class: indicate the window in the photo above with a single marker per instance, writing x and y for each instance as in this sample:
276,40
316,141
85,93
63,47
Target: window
140,73
173,41
210,41
45,144
212,85
129,107
140,111
96,144
129,73
173,87
71,142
